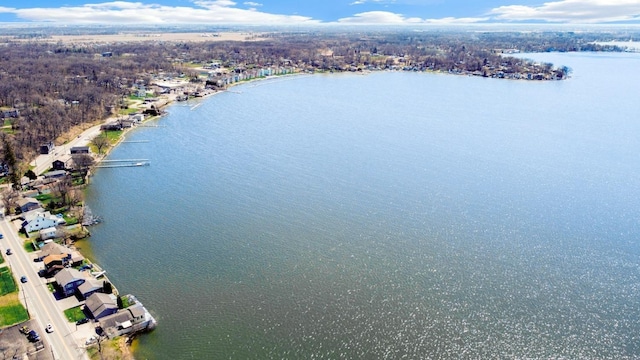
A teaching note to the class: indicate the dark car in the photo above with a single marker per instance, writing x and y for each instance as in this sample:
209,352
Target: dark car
1,236
33,336
9,252
23,279
82,321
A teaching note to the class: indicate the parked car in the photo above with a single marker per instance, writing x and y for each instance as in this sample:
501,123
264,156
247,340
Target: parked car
82,321
23,279
9,252
25,330
1,236
33,336
49,328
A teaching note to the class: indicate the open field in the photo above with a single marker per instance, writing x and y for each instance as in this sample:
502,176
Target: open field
151,36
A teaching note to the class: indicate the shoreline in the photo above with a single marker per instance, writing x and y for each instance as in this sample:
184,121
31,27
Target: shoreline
165,101
128,343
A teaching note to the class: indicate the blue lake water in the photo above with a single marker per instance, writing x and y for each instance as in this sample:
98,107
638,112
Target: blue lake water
386,215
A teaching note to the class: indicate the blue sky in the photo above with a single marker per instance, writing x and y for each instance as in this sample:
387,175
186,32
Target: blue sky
280,12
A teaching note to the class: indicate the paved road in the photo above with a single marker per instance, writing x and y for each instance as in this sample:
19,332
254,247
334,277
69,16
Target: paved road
43,162
39,300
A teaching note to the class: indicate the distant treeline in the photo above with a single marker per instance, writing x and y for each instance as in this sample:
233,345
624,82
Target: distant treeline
54,87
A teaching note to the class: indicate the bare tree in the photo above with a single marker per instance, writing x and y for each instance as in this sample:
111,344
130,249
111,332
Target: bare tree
10,200
100,142
82,163
61,190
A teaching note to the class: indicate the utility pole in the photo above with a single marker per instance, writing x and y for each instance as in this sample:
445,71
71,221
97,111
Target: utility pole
26,306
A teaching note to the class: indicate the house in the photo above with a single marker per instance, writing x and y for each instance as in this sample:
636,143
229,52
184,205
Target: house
133,319
46,148
48,233
54,263
127,123
28,204
63,163
137,118
91,286
111,126
40,220
53,249
30,193
99,305
79,150
69,280
56,174
56,257
11,113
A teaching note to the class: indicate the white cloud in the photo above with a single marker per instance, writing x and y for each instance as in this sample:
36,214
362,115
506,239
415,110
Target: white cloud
375,17
124,12
252,4
453,21
360,2
385,17
572,11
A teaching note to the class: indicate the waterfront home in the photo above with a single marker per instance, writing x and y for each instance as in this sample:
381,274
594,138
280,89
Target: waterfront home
56,257
48,233
89,287
28,204
136,118
133,319
112,126
54,263
53,248
69,280
99,305
34,221
79,150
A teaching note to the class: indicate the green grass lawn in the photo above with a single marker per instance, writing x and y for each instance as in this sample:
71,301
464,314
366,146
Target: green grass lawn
128,111
113,135
11,310
28,246
7,282
74,314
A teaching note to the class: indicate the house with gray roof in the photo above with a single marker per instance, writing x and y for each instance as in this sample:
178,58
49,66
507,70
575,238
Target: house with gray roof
69,280
90,287
99,305
133,319
28,204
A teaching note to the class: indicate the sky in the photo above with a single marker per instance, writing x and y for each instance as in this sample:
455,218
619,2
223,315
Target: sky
312,12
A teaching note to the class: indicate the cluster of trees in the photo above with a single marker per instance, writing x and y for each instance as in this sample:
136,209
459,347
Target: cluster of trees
58,86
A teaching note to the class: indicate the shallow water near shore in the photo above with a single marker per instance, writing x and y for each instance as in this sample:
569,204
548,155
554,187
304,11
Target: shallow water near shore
387,215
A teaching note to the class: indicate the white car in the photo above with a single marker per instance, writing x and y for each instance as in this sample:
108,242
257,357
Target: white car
49,328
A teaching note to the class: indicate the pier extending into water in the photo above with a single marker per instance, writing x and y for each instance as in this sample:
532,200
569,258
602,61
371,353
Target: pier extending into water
123,163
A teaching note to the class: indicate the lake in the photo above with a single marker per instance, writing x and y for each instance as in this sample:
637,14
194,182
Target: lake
386,215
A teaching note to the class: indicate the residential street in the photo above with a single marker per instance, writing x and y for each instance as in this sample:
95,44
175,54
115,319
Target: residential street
43,162
39,301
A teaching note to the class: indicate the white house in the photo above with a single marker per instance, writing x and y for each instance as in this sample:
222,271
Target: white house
48,233
40,220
